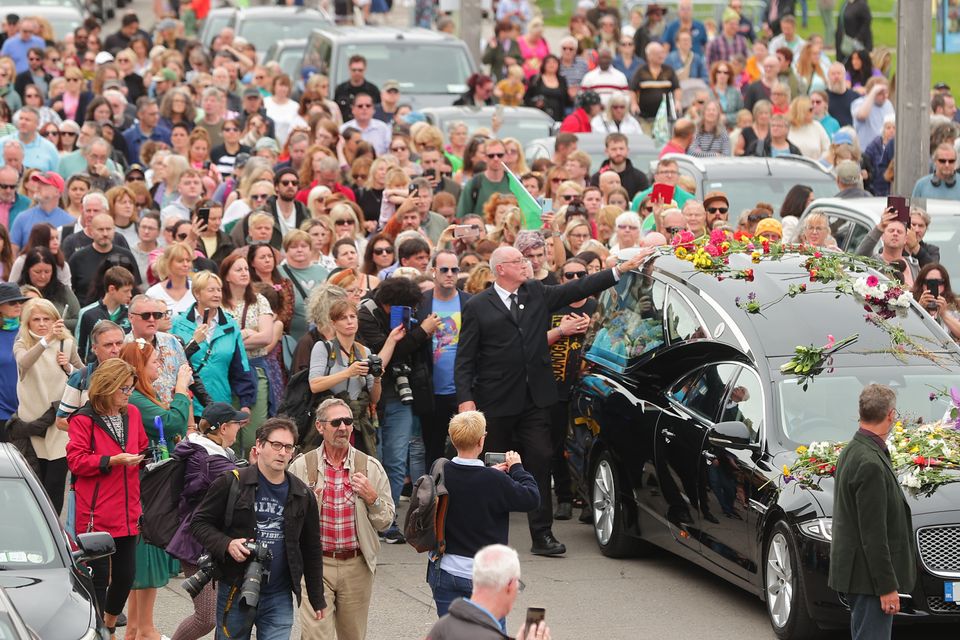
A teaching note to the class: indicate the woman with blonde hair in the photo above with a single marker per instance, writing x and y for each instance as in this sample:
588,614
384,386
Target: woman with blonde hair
72,103
479,278
400,148
808,69
576,233
174,267
395,192
321,240
346,224
815,231
251,198
46,355
7,90
506,232
175,166
514,158
805,132
77,186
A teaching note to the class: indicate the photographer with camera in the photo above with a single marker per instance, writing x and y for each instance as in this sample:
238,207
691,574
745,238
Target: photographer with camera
346,369
407,382
355,503
261,526
932,290
207,455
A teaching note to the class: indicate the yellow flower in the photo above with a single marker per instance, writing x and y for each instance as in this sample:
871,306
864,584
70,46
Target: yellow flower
898,424
725,247
915,450
756,257
681,253
786,471
801,450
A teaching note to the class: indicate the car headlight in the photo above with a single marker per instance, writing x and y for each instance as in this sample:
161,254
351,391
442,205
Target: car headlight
818,529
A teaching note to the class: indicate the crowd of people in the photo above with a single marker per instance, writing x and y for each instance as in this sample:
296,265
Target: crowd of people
182,240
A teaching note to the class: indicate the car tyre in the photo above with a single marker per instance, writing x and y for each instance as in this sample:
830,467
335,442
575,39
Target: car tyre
608,513
784,590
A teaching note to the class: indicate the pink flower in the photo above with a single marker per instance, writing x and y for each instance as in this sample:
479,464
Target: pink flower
872,281
830,341
717,236
712,249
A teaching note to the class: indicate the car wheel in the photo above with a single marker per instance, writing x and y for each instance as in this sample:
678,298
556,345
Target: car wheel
783,582
608,513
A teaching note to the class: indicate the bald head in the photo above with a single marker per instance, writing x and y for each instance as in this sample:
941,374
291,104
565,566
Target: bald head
508,266
101,230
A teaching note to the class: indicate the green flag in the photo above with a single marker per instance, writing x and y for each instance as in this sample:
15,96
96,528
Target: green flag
528,205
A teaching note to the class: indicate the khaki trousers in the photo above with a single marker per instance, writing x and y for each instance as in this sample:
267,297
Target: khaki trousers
347,587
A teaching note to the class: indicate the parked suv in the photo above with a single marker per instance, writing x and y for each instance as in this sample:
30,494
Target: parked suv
431,67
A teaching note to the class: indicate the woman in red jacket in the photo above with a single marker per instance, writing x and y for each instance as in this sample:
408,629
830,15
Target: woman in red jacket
104,453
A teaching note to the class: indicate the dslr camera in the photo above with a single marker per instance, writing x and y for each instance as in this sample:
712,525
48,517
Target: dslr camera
375,364
206,571
401,373
258,570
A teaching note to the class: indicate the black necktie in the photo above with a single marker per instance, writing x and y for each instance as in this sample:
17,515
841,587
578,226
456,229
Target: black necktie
514,308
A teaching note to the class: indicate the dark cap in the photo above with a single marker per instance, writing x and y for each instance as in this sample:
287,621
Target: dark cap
219,413
10,292
135,168
942,86
252,92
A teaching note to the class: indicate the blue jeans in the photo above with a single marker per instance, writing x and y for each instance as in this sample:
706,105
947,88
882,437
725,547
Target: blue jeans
446,587
273,615
867,619
394,442
416,463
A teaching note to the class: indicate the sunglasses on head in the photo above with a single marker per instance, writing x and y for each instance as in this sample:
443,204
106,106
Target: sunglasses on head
570,275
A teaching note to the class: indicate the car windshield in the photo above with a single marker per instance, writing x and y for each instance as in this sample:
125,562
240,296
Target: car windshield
746,192
405,61
827,410
215,23
522,129
289,59
62,25
25,536
263,33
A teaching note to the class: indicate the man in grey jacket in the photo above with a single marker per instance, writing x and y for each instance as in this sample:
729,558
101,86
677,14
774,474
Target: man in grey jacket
483,616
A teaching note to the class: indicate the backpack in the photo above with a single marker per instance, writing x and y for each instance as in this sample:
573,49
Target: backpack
161,484
427,514
299,402
312,458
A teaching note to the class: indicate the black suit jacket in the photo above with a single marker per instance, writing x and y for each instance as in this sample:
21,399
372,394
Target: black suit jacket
499,363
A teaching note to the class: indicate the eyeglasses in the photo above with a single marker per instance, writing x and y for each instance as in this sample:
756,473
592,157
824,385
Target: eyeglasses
568,197
343,222
383,251
68,134
672,230
717,209
363,106
946,160
517,261
279,446
8,186
336,423
579,236
624,227
448,269
360,177
182,236
570,275
289,183
259,196
557,180
152,315
495,155
51,134
127,389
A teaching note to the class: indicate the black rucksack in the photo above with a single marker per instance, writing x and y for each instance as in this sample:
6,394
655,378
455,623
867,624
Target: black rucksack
161,484
427,514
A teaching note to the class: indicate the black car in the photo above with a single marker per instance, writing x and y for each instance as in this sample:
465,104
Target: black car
40,567
694,423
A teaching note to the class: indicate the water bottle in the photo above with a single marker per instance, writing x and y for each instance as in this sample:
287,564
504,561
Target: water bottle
162,452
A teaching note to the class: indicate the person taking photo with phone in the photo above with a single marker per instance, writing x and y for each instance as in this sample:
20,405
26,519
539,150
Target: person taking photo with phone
892,231
932,290
482,494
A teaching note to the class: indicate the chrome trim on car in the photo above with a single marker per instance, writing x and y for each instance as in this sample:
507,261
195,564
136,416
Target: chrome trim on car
757,506
954,552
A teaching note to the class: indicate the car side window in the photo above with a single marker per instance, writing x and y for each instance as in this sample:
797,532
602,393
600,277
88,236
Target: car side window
681,322
848,233
703,391
744,402
628,321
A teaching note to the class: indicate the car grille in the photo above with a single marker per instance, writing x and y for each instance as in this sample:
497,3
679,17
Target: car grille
939,605
940,549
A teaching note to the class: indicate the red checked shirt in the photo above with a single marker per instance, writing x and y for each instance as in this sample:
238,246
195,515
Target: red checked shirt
338,529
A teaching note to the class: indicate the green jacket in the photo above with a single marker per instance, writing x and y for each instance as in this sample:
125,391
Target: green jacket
174,419
873,550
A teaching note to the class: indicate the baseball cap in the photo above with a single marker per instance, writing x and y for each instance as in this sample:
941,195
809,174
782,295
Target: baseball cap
219,413
848,172
768,225
165,75
251,92
267,143
391,84
167,23
842,137
103,57
135,168
714,196
51,178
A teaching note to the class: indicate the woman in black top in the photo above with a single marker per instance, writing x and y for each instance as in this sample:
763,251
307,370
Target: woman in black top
548,90
370,191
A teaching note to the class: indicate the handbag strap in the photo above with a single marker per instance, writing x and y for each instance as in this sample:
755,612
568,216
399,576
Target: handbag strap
296,283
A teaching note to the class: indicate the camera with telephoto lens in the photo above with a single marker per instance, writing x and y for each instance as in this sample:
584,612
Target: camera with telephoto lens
258,571
375,364
401,373
206,571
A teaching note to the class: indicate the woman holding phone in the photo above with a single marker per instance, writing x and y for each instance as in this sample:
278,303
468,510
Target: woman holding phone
932,290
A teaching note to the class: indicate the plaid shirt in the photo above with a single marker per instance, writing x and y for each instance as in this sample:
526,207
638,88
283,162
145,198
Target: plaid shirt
338,528
722,49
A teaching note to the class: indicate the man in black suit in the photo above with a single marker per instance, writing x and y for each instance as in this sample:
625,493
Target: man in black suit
447,302
503,367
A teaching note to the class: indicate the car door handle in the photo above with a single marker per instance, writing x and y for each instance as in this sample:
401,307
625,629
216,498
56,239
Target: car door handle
709,457
667,434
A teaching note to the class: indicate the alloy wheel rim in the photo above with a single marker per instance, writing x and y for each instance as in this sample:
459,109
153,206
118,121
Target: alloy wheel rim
603,502
779,580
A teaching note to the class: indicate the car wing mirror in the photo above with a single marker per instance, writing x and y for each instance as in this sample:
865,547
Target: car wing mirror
93,546
732,435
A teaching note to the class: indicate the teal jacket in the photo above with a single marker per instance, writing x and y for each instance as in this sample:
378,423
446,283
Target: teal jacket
873,550
221,359
22,203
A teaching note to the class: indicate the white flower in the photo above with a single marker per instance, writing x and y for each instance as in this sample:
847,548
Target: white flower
911,479
903,301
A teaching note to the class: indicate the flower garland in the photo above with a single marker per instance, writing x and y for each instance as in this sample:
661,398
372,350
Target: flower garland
924,458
